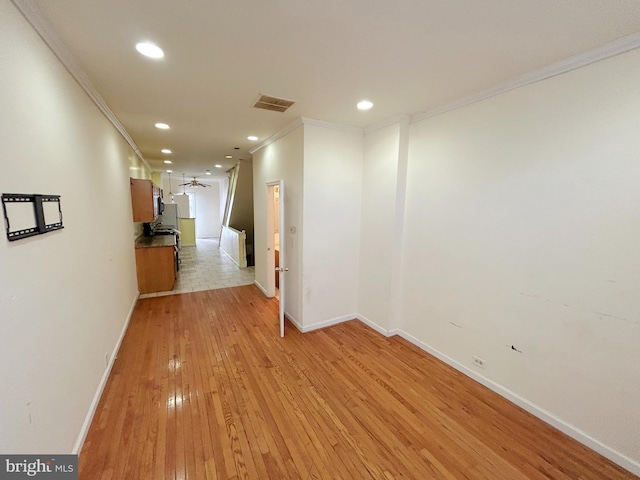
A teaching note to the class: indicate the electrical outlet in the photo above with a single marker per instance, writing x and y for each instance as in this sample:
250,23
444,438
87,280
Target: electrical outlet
478,362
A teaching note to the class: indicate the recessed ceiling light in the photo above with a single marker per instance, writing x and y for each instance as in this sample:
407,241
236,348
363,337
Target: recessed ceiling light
364,105
253,138
168,161
228,156
149,49
166,150
169,171
218,166
207,172
162,126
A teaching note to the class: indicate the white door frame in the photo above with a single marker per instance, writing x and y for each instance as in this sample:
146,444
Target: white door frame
271,287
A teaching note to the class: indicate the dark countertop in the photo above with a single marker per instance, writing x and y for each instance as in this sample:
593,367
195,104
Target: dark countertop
155,241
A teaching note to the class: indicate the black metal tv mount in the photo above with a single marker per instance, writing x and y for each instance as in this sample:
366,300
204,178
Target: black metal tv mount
39,224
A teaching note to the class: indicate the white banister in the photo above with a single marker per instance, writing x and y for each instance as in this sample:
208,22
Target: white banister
233,244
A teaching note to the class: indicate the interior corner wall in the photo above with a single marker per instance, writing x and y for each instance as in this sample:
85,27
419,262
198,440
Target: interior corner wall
521,246
281,160
379,191
332,199
65,296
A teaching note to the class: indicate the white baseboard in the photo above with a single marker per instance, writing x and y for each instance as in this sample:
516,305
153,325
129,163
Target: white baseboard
547,417
103,382
345,318
230,257
375,326
328,323
262,289
293,320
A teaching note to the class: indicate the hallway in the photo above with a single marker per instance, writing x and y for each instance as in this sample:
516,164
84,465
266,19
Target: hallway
205,267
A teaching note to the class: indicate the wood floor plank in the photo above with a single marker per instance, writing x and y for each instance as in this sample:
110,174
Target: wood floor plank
204,388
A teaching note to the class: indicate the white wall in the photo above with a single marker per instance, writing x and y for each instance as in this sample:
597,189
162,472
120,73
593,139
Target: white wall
378,223
281,159
208,220
64,296
332,200
522,228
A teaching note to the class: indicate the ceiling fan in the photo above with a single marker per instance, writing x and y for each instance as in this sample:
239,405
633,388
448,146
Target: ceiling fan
193,183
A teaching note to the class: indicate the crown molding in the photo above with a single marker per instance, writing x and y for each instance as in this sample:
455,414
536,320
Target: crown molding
401,118
290,127
52,40
298,122
333,126
612,49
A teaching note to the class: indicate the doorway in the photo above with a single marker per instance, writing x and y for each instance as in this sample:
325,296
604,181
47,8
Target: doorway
275,246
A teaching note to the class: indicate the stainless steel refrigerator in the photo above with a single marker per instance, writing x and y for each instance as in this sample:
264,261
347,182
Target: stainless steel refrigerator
171,216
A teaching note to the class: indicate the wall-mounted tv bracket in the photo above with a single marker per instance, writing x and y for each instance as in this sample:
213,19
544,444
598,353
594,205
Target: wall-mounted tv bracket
39,224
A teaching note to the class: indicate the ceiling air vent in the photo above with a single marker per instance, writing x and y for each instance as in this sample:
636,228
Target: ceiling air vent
267,102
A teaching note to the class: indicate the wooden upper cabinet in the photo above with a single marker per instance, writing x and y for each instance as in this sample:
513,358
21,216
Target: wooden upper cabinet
143,200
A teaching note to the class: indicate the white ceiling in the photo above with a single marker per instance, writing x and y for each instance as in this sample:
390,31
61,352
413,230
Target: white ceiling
406,56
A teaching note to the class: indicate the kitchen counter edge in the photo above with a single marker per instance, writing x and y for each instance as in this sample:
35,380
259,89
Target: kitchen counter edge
144,241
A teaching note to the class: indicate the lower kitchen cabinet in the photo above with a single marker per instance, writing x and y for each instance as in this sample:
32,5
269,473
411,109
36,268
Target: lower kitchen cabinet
156,267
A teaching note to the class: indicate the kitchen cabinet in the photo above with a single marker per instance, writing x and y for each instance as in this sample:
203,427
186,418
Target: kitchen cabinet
145,200
156,263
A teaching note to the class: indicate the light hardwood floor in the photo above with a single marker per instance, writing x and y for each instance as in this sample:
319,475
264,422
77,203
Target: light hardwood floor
204,388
